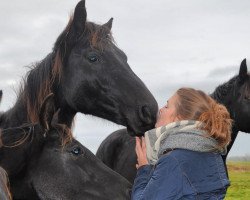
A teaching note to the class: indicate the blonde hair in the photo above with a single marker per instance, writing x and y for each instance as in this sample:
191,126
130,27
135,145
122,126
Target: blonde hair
196,105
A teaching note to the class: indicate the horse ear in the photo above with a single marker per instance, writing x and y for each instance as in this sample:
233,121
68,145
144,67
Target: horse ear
1,94
47,112
109,23
243,70
78,22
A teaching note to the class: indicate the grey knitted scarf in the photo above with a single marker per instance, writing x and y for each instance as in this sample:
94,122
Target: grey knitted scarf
184,134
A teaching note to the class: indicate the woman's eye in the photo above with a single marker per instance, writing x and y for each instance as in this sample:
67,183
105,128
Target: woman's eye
93,58
76,151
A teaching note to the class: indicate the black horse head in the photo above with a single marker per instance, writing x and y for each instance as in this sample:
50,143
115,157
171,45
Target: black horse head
235,95
88,73
45,162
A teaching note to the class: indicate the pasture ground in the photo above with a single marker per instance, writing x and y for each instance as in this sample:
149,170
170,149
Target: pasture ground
239,175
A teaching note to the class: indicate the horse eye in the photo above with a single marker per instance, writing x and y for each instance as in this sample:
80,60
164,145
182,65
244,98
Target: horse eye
92,58
76,151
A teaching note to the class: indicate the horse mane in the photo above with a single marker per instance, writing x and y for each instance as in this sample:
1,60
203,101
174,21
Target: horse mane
99,36
223,89
37,87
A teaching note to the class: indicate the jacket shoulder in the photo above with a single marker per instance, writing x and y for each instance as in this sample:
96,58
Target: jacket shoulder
205,172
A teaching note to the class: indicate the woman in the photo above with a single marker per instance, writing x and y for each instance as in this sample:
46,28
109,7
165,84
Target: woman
181,157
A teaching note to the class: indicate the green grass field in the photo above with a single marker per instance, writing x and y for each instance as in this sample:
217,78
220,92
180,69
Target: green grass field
239,175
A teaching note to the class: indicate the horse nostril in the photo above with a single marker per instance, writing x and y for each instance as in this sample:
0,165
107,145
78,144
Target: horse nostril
145,115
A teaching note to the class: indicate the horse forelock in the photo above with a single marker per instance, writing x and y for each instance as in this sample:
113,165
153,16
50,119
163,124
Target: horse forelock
99,36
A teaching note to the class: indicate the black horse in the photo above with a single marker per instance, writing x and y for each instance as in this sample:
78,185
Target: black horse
118,150
88,73
45,162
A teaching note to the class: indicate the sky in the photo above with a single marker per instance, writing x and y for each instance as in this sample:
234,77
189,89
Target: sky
169,44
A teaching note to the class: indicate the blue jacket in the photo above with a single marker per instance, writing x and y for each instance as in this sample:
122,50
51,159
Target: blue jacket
182,174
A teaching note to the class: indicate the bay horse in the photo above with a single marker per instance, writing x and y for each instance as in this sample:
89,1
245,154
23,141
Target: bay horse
88,73
118,150
45,162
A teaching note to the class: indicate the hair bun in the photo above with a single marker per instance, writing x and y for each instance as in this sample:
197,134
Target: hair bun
217,123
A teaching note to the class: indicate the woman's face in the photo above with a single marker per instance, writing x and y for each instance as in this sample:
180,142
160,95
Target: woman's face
167,114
